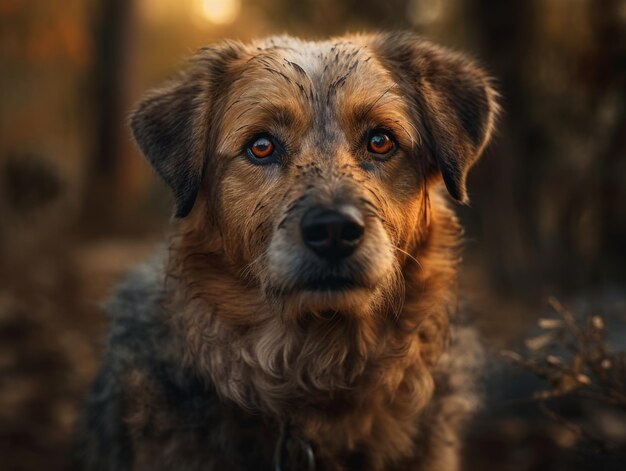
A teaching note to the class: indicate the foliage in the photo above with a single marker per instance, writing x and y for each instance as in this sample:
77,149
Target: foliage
573,358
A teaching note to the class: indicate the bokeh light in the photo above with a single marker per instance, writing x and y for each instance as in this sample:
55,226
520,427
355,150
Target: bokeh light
220,12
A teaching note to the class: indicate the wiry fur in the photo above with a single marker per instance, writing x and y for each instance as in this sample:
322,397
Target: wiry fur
217,346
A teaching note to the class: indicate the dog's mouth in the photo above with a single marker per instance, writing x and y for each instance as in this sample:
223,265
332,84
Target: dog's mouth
323,285
330,284
324,294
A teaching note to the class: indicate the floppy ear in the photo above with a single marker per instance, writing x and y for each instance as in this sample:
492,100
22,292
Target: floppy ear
453,97
172,124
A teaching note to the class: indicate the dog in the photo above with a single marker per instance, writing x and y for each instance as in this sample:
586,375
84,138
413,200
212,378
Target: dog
302,316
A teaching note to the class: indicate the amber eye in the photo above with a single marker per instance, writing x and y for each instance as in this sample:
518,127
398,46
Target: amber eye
380,143
262,148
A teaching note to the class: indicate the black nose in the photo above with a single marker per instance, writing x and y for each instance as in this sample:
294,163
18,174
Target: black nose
330,233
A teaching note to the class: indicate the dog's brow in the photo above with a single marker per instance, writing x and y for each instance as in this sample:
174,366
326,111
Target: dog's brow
279,115
260,115
362,110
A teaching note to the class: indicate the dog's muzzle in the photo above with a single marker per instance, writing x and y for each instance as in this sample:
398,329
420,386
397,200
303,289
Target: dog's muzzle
325,253
332,233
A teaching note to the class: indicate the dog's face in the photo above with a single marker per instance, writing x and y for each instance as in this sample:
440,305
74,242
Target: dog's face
312,161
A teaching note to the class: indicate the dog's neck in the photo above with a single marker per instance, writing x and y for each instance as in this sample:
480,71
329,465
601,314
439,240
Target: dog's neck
373,370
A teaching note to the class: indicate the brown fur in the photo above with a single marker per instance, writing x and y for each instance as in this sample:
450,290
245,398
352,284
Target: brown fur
353,371
353,382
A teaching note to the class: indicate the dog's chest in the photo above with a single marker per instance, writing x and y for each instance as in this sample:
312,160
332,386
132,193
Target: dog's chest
173,428
177,426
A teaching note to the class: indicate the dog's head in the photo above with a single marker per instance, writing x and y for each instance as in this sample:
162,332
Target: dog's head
312,161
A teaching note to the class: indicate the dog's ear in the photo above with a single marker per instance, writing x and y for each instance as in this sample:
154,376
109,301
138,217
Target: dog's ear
454,98
172,124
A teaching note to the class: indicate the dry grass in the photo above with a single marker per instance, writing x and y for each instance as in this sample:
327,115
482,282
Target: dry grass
571,355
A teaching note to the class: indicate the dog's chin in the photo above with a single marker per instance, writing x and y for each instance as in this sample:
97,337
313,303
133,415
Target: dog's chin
327,297
347,302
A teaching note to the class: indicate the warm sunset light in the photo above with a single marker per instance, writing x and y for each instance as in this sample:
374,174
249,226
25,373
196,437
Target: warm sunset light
221,12
235,234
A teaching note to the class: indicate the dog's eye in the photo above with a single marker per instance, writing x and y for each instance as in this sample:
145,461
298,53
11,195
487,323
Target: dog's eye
380,142
261,148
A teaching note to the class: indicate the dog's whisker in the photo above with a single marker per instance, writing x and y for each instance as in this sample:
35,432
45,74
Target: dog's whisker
246,271
395,247
410,135
391,87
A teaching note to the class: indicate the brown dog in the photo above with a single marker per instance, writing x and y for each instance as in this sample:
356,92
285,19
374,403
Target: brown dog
301,317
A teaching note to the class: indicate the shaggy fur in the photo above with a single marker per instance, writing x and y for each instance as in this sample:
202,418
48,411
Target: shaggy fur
223,353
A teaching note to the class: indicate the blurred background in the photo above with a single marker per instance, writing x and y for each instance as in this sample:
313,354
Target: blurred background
79,206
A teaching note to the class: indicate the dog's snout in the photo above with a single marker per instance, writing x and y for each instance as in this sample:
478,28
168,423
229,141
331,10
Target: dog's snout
332,233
